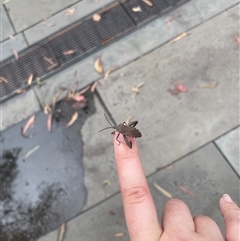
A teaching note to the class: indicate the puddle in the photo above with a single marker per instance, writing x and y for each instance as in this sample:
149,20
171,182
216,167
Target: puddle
42,178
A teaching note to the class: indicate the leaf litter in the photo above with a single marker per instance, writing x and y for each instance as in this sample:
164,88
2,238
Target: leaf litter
15,53
31,151
148,2
12,38
136,89
93,87
62,231
98,65
137,9
119,234
51,62
3,79
73,119
209,85
179,37
29,123
163,191
48,24
108,72
186,190
30,78
237,39
70,11
170,20
107,183
96,17
178,88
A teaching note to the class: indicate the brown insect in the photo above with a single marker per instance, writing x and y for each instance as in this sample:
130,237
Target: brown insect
126,130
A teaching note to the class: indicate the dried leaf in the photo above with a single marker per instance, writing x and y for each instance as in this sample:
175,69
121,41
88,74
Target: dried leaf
20,91
108,73
52,66
70,11
128,120
119,234
187,191
39,82
55,97
237,39
49,60
93,87
182,35
135,89
141,84
62,231
169,22
31,151
73,119
30,78
121,74
47,24
2,79
137,9
49,122
98,65
83,90
15,53
12,38
209,86
169,167
68,52
182,88
29,124
96,17
46,108
163,191
148,2
107,183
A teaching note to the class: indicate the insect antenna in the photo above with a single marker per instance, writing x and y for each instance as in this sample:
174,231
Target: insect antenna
112,127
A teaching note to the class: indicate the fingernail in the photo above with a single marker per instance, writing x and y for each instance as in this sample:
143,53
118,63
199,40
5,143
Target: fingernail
227,198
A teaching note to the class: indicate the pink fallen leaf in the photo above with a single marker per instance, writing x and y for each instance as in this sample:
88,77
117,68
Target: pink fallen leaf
3,79
30,78
79,98
49,122
182,88
29,124
187,191
15,53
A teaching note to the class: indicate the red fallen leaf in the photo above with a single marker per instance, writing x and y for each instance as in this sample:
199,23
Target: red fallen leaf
29,124
79,97
182,88
49,122
187,191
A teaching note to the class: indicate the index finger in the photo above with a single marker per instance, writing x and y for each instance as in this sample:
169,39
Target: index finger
140,211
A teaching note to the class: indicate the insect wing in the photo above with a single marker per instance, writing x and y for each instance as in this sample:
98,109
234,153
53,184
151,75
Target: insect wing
132,132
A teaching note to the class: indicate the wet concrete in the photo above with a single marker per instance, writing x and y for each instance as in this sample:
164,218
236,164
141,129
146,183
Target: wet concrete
42,178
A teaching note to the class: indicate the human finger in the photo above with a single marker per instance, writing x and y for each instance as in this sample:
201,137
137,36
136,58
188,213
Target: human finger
140,211
231,215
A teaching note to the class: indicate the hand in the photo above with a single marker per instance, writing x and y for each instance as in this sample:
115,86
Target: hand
177,221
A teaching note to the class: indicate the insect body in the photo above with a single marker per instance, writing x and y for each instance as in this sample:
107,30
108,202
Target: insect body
126,130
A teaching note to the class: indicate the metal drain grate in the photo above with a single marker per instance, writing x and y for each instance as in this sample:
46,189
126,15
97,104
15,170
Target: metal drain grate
77,41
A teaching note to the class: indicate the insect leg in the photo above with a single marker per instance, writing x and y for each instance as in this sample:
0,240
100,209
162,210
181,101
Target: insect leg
129,143
113,132
133,123
117,139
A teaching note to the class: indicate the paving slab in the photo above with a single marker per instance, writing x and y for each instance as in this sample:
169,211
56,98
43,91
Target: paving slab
205,173
173,126
229,145
18,108
60,21
5,28
24,14
9,45
134,46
